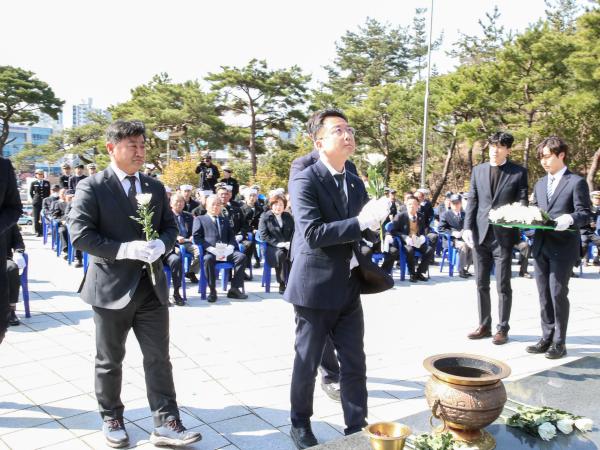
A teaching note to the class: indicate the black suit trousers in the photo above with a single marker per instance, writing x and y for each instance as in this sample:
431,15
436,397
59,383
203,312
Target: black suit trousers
149,320
485,255
37,218
14,281
552,275
346,329
239,265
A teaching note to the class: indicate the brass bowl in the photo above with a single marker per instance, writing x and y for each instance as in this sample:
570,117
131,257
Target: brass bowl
393,435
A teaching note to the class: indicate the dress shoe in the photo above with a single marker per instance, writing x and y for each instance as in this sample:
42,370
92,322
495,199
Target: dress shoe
463,274
574,275
281,288
332,390
247,277
256,265
413,279
66,257
421,277
212,297
501,337
174,434
236,293
303,437
556,351
13,320
115,434
525,275
78,264
192,277
480,333
178,299
542,346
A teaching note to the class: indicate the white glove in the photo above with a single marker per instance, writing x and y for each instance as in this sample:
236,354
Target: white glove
368,243
387,240
280,244
377,209
419,241
212,250
138,250
563,222
239,238
157,248
408,240
467,236
287,245
230,248
19,260
457,234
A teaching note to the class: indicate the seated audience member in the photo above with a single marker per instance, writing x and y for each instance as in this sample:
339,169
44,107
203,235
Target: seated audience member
185,223
412,228
75,179
276,228
15,262
169,192
186,192
452,221
48,202
444,206
251,212
65,207
591,233
216,237
92,170
426,209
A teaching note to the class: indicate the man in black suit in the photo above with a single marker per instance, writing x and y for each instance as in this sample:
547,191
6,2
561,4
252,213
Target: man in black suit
565,196
15,263
126,285
48,202
10,211
251,212
330,367
493,184
230,181
38,191
209,230
185,222
325,280
75,179
452,221
412,228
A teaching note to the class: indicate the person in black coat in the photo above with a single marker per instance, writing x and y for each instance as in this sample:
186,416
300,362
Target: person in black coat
589,233
10,211
251,214
14,264
190,203
185,222
210,229
209,174
230,181
452,221
566,198
38,191
412,228
494,184
48,202
75,179
276,228
63,180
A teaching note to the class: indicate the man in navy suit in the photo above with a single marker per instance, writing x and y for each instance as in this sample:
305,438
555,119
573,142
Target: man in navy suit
185,222
565,196
325,280
330,367
494,184
210,229
452,221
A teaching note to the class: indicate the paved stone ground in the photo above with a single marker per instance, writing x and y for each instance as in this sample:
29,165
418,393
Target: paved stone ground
232,360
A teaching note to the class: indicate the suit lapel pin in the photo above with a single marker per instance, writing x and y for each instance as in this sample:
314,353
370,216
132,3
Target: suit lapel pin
352,185
146,184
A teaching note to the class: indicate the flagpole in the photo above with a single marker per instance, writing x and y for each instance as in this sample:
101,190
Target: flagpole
426,108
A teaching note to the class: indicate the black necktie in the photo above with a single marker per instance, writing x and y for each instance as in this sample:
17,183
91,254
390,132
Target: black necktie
131,193
218,228
340,178
182,228
494,178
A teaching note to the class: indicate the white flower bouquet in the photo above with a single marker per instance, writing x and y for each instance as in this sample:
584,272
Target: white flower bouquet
520,216
544,421
144,218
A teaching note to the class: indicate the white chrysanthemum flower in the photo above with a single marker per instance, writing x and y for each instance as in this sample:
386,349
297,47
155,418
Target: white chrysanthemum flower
547,431
565,425
584,424
143,199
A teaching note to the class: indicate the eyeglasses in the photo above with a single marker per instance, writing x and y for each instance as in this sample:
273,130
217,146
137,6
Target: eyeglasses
340,131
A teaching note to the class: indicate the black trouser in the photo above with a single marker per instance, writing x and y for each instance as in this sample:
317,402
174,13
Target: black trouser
149,320
485,255
64,240
346,329
552,275
173,260
4,308
239,265
37,220
524,253
282,269
14,281
249,250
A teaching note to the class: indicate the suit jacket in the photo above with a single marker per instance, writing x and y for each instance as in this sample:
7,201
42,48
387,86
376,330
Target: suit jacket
571,196
13,240
449,222
99,222
326,236
39,190
426,208
302,162
401,225
10,200
512,187
191,205
188,224
252,215
206,234
74,181
273,234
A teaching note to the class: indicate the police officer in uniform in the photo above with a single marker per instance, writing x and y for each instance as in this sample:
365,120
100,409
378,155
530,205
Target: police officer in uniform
38,191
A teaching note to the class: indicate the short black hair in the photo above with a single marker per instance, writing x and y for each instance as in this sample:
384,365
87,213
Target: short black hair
121,129
501,138
315,123
555,144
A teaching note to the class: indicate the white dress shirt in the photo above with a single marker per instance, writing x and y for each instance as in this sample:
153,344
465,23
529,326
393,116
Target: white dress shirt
555,179
125,183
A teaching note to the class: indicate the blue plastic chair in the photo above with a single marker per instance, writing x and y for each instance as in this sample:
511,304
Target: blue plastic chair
44,230
222,268
262,254
450,254
380,256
